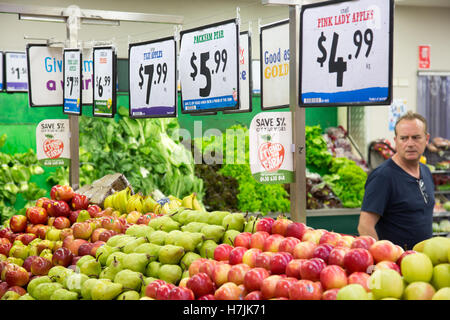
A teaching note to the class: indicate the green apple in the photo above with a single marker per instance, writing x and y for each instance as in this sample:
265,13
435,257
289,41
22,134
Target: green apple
352,291
386,283
419,290
416,267
441,276
437,249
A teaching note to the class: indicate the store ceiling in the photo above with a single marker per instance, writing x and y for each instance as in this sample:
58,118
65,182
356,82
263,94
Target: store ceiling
427,3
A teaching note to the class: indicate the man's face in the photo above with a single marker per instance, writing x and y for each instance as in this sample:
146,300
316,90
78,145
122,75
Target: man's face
411,139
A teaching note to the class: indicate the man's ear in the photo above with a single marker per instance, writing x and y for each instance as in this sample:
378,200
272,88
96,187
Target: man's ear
428,138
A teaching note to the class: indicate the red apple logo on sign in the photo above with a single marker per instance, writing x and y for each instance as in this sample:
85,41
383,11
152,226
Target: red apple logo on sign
53,148
271,155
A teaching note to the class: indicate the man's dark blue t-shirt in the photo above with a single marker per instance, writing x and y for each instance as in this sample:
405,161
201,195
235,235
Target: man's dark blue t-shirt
406,212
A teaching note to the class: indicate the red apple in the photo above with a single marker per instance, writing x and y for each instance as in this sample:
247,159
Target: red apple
195,266
37,215
263,260
268,286
61,209
82,230
180,293
296,230
323,251
293,268
264,224
16,275
40,266
305,290
222,252
333,277
59,192
288,244
163,291
93,210
61,222
5,248
387,265
330,294
41,230
200,284
40,202
66,232
258,238
144,219
85,249
73,216
62,257
310,269
228,291
254,277
363,242
96,245
207,297
345,241
220,274
304,250
272,242
330,238
249,257
27,262
6,233
18,223
337,255
150,289
112,223
283,285
280,226
357,260
73,244
243,240
21,291
95,236
254,295
359,278
79,202
105,235
237,273
279,261
313,235
384,250
3,288
236,255
26,238
208,267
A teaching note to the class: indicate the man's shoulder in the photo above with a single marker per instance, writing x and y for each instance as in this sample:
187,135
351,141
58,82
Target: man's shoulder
385,169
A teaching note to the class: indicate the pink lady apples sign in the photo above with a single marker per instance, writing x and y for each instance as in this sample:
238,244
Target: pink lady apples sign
271,159
52,142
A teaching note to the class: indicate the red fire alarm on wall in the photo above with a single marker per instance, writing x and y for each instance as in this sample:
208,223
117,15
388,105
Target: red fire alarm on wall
424,57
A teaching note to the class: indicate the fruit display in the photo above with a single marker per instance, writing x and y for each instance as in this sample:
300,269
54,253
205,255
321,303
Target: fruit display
137,247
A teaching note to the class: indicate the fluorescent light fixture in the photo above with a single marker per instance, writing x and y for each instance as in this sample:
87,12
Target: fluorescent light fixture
30,17
100,22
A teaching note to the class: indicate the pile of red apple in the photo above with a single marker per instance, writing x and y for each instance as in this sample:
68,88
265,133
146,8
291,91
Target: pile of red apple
283,260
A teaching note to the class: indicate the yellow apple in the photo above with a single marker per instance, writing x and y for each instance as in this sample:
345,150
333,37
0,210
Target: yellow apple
437,249
352,291
441,276
419,291
386,283
416,267
442,294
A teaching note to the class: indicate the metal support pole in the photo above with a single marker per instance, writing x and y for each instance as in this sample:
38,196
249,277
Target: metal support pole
298,187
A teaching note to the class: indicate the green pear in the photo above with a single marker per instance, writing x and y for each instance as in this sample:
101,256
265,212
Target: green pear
26,296
106,291
139,230
152,269
87,286
44,291
234,221
170,254
91,268
250,224
182,216
121,244
193,226
149,248
83,216
170,273
136,261
216,217
130,246
158,237
112,269
11,295
115,256
35,282
172,236
156,223
83,259
129,295
189,240
229,236
64,294
75,281
59,274
185,274
114,240
207,249
130,280
104,252
188,258
194,216
170,225
213,232
175,213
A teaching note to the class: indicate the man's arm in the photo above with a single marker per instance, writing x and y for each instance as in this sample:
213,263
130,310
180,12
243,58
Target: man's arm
367,222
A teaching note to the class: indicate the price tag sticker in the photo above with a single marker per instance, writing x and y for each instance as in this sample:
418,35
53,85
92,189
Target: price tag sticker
1,71
346,53
16,72
72,81
209,68
153,80
104,92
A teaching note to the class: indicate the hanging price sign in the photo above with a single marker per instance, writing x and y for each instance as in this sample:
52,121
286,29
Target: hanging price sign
153,81
16,72
1,71
346,53
72,81
104,92
209,68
